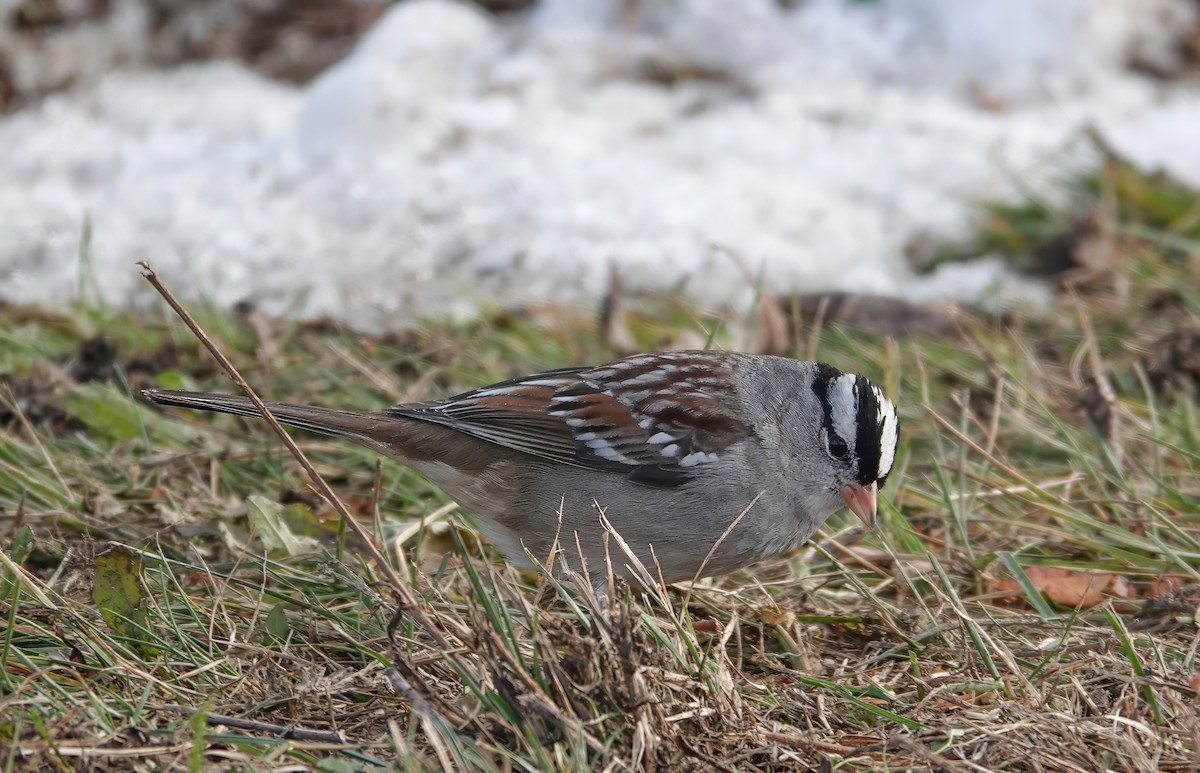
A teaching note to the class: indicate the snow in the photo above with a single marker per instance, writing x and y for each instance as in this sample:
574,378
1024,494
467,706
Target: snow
454,159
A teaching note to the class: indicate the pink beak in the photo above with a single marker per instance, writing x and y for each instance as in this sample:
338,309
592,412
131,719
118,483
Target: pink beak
861,501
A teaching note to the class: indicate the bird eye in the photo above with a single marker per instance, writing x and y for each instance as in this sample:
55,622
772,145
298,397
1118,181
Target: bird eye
837,447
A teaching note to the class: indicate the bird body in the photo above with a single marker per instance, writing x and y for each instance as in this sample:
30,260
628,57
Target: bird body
672,448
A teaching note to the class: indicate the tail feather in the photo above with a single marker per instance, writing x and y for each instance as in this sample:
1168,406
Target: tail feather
353,425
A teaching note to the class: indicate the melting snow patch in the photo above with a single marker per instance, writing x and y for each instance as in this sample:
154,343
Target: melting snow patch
453,158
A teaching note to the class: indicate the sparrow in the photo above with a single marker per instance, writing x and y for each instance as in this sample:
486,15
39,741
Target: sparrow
671,448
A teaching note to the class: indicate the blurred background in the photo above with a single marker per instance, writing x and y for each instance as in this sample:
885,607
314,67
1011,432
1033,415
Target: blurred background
377,163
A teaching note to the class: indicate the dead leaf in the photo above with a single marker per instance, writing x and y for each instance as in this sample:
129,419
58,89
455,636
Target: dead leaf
1005,587
1074,588
118,592
268,523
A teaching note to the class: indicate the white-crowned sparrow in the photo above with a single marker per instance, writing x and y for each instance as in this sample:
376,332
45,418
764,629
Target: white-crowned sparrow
671,447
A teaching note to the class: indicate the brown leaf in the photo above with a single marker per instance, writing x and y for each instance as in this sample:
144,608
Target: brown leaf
1008,588
1073,588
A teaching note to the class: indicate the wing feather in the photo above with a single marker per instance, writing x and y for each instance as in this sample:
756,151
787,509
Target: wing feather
652,417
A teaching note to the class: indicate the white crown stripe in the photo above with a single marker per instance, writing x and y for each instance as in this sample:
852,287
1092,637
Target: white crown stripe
843,407
887,437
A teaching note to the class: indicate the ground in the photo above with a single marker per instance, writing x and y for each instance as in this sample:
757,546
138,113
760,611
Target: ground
175,593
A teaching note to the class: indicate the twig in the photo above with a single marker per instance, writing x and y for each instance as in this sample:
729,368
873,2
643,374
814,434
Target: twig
794,741
407,601
283,731
322,487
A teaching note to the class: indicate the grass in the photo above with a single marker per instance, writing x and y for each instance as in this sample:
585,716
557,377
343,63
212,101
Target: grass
174,595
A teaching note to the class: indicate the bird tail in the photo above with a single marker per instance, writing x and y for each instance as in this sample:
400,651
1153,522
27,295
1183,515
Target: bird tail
352,425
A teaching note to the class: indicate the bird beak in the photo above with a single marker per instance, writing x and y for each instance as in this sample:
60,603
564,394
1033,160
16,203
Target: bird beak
861,501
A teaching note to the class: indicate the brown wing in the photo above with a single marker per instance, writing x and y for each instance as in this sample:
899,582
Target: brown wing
655,417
